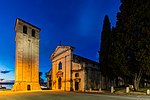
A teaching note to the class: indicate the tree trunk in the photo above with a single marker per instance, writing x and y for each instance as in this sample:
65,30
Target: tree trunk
137,80
116,82
106,81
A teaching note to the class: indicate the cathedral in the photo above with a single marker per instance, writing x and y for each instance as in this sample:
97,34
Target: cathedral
71,72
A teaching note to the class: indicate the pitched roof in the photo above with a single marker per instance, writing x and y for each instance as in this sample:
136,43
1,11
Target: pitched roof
84,59
27,23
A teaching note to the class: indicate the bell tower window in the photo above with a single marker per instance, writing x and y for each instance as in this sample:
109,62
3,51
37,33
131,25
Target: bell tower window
33,32
25,29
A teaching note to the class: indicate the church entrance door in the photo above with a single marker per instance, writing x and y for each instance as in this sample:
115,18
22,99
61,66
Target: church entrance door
76,86
28,87
59,83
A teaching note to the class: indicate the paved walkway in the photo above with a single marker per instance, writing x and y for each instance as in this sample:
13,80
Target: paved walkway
59,95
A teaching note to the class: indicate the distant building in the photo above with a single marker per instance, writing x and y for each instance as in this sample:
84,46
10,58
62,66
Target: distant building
27,56
49,79
72,72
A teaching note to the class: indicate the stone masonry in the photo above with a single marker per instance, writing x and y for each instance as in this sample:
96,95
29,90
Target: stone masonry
27,57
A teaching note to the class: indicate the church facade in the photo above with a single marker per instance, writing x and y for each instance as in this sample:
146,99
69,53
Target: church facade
71,72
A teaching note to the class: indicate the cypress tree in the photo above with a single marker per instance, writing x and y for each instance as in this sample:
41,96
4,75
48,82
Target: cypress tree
104,48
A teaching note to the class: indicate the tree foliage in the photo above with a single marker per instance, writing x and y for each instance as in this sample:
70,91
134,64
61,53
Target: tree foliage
104,48
132,42
107,68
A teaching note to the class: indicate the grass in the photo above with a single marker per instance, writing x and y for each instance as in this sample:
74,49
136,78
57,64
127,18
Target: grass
143,89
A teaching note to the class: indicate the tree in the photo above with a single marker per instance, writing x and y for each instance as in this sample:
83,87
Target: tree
105,48
117,64
133,39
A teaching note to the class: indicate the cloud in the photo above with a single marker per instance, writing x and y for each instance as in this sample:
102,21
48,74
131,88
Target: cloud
5,71
7,81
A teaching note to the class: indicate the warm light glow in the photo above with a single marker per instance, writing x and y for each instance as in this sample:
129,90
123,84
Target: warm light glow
27,58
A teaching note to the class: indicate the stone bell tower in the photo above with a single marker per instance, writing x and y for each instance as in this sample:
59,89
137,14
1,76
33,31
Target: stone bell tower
27,57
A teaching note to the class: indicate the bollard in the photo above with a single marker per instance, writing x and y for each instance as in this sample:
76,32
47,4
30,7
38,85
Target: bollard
127,90
100,90
148,92
112,89
90,90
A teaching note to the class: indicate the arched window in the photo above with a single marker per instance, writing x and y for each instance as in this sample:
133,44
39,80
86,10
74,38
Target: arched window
25,29
76,74
60,66
33,32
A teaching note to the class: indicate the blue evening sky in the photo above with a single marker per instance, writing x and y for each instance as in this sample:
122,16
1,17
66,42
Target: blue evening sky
75,22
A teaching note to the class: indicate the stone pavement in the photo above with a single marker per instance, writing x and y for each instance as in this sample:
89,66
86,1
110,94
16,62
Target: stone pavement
60,95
